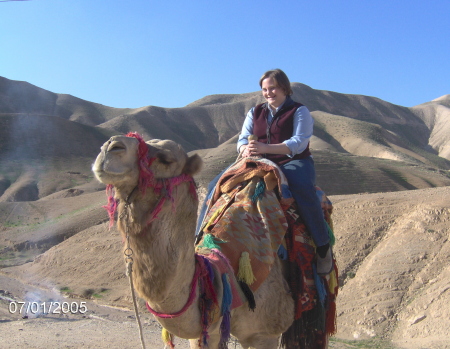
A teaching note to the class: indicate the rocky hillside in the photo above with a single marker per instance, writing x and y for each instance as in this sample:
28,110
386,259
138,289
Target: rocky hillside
385,167
43,132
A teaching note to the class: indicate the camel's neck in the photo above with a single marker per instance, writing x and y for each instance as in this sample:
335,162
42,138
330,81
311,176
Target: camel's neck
162,251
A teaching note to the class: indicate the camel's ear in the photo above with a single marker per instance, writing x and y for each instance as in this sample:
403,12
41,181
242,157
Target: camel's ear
193,165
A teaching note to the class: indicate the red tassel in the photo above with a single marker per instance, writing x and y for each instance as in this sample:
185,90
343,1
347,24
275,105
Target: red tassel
111,207
330,322
145,174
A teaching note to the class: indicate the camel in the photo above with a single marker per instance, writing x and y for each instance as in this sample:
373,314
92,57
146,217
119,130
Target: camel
164,260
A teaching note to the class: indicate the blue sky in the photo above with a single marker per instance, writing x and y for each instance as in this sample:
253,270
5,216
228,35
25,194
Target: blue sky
169,54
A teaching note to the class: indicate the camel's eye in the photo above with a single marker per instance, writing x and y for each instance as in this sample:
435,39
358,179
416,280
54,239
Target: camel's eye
164,159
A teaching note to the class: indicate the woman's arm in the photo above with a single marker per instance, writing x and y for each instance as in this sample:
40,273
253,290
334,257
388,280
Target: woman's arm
247,130
303,131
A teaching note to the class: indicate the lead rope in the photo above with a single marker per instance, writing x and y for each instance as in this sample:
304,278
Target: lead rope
128,252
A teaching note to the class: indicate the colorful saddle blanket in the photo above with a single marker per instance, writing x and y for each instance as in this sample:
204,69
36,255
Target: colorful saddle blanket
251,210
244,215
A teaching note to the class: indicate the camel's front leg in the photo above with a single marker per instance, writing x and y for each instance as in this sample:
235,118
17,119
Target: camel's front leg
213,343
213,340
193,343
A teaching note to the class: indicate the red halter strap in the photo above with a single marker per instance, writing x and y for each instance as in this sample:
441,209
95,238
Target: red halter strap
189,301
162,186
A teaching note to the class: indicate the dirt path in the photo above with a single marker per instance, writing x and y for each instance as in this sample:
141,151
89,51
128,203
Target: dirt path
100,327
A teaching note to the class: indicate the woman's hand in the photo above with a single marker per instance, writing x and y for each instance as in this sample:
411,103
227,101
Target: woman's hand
244,151
256,148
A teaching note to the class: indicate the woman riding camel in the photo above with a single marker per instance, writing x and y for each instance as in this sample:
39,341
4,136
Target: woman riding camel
284,128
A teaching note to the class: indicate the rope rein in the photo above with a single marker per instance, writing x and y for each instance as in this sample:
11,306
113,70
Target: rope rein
128,252
189,301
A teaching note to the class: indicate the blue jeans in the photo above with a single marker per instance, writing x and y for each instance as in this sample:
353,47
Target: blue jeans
301,177
211,187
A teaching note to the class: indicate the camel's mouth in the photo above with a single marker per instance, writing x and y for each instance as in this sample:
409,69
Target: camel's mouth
116,146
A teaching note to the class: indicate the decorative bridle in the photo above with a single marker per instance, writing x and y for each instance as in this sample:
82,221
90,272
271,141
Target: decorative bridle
163,187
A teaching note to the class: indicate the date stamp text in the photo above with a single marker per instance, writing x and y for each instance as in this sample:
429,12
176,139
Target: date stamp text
47,307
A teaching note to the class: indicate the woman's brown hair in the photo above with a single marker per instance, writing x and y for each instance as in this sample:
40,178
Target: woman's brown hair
280,78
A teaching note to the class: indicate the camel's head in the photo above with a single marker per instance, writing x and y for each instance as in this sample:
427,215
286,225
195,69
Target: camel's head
125,161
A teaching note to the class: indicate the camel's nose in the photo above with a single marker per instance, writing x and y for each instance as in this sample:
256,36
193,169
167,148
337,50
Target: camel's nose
114,146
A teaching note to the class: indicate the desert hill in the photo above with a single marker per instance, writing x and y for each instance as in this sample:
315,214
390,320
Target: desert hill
20,97
340,172
345,124
385,167
436,115
41,155
212,120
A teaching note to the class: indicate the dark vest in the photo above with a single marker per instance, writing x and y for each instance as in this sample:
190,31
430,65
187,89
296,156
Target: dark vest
279,130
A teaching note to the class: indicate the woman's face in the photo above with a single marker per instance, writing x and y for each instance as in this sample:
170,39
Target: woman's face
272,93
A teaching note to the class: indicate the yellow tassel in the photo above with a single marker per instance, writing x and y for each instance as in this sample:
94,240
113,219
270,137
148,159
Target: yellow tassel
166,336
332,283
214,217
245,269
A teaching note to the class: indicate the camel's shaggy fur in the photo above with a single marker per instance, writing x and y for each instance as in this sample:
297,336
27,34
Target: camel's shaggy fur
163,251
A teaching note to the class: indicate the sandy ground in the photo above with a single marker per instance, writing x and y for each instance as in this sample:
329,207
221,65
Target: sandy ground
393,254
101,326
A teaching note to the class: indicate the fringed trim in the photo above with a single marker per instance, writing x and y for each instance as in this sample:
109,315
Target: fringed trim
332,282
333,287
223,257
246,290
319,314
214,217
146,178
227,299
330,233
207,278
321,290
259,191
301,335
208,298
167,338
331,320
111,207
245,272
210,272
211,242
